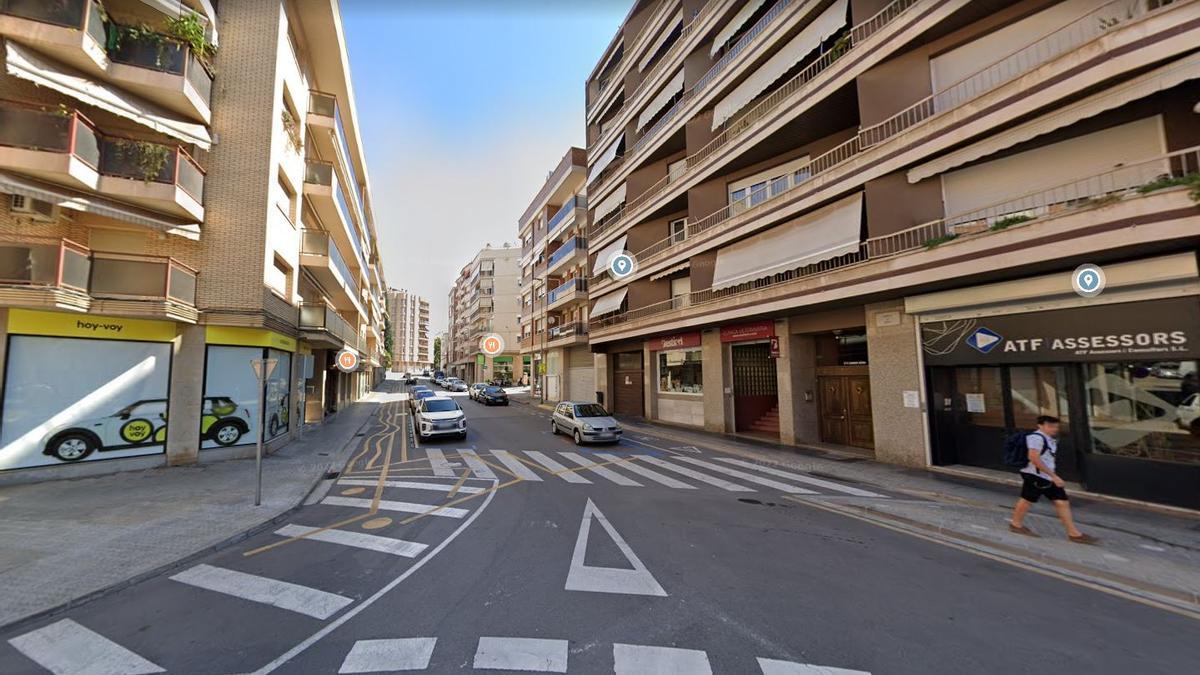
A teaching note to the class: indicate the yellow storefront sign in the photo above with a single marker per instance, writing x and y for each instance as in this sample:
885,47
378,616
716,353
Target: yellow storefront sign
248,337
62,324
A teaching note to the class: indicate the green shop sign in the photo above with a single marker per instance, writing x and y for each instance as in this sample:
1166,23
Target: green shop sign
502,359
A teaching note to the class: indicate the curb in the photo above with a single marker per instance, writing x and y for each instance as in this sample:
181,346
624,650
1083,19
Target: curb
235,538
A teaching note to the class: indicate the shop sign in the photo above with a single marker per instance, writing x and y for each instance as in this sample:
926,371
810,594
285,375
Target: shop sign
248,337
757,330
502,359
774,346
680,341
347,361
479,360
62,324
1154,330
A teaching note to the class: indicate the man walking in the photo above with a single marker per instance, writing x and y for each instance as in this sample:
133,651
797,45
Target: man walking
1041,480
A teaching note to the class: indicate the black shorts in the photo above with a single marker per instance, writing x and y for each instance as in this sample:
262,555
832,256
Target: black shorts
1034,487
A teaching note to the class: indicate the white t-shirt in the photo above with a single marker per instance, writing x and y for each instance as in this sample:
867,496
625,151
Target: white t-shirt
1037,441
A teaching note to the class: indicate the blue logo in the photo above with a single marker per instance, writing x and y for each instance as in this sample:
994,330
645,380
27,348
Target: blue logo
984,340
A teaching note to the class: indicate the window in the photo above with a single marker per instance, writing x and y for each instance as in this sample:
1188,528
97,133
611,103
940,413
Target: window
286,201
766,184
675,169
679,372
677,230
279,276
681,290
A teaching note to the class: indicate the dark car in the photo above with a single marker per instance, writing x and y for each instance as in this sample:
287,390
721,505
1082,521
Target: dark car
492,396
418,396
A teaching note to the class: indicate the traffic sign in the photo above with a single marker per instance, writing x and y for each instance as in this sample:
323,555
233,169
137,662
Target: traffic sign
263,367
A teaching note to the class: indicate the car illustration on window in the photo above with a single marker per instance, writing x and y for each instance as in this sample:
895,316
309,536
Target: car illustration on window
137,424
222,422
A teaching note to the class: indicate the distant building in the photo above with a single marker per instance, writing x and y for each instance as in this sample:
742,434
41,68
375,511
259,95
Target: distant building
411,349
484,301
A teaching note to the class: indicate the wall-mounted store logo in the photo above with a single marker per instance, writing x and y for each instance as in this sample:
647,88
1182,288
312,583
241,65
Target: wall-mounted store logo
491,344
984,340
347,361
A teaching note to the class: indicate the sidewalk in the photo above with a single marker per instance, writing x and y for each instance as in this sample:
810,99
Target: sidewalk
1149,552
62,541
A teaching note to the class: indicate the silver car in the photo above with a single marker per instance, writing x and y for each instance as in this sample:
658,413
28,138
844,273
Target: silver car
585,422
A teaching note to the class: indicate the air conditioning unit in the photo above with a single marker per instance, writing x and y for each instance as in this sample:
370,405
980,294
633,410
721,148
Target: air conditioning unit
36,208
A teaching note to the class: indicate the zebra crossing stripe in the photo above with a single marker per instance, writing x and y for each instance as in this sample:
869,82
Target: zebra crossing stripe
556,468
519,468
601,470
641,659
372,542
528,654
481,470
437,461
776,667
802,478
388,505
281,594
748,477
435,487
378,656
636,467
695,475
67,648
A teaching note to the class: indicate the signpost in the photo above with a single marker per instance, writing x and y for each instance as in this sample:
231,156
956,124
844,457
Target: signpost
262,370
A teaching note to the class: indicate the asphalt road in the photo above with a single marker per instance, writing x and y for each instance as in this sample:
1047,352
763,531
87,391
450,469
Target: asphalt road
527,553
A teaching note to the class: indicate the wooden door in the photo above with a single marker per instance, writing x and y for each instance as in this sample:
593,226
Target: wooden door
834,409
858,394
628,394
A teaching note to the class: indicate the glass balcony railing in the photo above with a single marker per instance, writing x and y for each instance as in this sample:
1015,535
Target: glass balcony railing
137,47
152,163
578,201
319,243
58,263
68,13
565,288
62,263
318,316
322,173
565,251
326,105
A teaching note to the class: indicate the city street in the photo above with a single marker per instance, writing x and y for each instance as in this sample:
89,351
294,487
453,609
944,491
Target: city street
518,551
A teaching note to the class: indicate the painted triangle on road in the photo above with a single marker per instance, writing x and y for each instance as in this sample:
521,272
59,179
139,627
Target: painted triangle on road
581,577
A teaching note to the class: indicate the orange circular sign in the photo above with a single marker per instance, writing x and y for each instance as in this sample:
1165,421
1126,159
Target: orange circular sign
492,344
347,361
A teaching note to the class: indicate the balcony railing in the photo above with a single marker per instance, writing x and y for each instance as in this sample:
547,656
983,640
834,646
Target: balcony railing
568,286
578,201
318,316
62,263
153,163
322,173
326,104
566,250
136,47
568,330
83,15
59,263
1130,179
317,243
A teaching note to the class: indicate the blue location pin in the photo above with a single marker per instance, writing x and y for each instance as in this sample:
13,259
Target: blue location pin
1088,280
621,265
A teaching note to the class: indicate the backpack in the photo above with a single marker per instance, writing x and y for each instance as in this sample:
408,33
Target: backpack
1016,449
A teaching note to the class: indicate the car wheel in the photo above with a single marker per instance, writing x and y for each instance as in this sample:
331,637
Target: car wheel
554,427
273,426
72,447
226,433
578,438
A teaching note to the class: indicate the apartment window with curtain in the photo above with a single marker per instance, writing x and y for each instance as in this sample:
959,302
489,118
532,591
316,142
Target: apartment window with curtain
677,230
681,290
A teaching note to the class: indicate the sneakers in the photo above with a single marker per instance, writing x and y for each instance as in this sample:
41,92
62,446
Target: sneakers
1021,530
1084,539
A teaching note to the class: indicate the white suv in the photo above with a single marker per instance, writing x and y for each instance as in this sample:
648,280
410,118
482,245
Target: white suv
441,416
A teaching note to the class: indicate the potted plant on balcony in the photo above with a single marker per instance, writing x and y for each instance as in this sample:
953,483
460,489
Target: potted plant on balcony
146,159
190,29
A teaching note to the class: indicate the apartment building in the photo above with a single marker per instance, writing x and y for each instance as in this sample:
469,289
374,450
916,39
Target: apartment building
410,348
484,301
856,224
174,208
555,357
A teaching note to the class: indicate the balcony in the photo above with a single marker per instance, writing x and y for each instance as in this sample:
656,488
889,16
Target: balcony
573,252
567,213
329,133
61,274
154,66
320,255
323,326
569,291
62,146
567,334
322,185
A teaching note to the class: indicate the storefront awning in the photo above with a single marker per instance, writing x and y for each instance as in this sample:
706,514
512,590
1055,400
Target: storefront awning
671,270
610,203
1159,79
821,29
823,234
27,65
735,24
79,201
659,102
606,253
609,303
673,25
610,153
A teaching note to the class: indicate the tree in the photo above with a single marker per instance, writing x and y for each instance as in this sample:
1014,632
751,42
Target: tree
437,352
389,340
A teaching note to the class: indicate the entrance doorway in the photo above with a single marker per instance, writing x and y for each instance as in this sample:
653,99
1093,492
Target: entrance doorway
755,389
844,394
628,394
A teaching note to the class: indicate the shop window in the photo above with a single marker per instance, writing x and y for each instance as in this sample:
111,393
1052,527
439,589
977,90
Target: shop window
229,412
1146,411
68,400
679,372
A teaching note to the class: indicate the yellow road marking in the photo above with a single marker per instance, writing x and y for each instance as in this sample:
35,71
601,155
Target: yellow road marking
461,479
460,500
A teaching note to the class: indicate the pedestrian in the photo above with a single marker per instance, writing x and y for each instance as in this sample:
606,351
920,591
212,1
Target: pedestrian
1039,479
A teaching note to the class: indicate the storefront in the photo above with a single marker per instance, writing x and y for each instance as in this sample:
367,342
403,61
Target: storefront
678,377
230,413
1122,377
82,387
502,369
752,349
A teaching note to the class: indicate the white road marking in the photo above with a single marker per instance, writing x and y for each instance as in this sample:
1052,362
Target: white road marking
695,475
646,660
636,467
801,478
581,577
67,648
562,471
519,468
529,654
748,477
388,505
601,470
362,606
776,667
281,594
437,461
435,487
372,542
476,465
1151,547
378,656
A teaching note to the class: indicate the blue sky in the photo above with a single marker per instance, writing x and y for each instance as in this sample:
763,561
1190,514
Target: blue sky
464,107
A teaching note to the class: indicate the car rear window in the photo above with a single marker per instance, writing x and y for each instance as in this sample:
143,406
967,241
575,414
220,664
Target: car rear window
494,390
440,406
590,410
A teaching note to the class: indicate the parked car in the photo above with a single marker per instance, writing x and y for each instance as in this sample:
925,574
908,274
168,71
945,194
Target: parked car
417,396
490,395
455,384
410,379
1189,414
441,416
585,422
425,373
473,392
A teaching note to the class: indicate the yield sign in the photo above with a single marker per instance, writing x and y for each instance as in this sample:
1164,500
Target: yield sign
263,367
581,577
